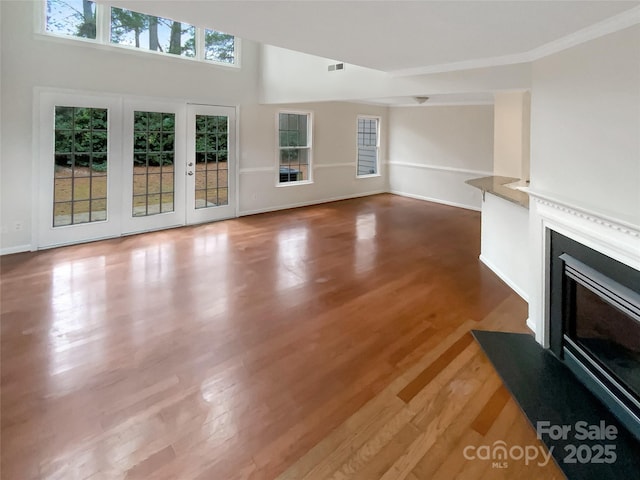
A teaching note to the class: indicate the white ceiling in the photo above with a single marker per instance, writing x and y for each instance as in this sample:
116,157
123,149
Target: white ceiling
393,36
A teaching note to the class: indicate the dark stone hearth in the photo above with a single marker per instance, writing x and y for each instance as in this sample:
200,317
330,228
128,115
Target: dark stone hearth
546,390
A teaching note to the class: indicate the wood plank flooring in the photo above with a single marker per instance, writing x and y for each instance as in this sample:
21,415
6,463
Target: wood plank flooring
323,342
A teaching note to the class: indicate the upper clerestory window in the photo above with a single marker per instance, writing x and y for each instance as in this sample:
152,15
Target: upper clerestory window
75,18
139,30
84,19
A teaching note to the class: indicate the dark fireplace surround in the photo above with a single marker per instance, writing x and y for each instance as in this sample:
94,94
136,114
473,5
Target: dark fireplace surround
594,323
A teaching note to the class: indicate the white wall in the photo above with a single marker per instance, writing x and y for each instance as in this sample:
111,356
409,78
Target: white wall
505,242
433,150
288,76
32,60
585,149
585,125
334,156
511,134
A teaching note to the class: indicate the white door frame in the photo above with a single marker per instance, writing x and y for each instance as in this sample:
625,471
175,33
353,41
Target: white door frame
47,235
203,215
119,185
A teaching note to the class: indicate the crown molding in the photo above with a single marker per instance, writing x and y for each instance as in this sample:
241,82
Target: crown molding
610,25
464,65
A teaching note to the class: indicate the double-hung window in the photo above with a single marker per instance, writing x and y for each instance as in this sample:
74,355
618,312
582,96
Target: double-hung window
294,147
368,146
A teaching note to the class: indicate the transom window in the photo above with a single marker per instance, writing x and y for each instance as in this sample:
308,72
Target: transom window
133,29
368,146
84,19
75,18
294,153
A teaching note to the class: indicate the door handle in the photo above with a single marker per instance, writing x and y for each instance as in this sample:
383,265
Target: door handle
190,164
189,173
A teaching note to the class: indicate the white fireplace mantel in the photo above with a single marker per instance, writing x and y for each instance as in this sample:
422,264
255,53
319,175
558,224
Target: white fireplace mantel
614,238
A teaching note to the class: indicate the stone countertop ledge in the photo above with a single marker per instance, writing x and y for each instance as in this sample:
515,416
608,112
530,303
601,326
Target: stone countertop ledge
498,186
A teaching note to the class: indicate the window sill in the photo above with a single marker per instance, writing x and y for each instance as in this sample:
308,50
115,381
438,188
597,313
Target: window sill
292,184
372,175
130,50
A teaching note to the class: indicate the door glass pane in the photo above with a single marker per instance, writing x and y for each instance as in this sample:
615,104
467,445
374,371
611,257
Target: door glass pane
212,180
80,177
153,159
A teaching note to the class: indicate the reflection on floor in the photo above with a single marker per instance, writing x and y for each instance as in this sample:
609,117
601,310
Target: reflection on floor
231,350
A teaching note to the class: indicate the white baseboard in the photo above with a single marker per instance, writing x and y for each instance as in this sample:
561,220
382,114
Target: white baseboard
505,278
244,213
435,200
531,325
16,249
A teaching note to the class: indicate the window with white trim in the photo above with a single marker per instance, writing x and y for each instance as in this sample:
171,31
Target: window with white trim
74,18
147,32
294,152
368,146
84,19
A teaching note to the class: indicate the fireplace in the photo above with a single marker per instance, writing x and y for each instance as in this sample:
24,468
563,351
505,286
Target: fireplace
594,323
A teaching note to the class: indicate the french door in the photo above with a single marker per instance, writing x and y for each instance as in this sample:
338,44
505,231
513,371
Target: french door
79,169
154,166
110,166
211,184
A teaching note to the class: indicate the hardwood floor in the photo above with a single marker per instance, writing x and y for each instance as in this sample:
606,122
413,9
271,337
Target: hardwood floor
323,342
